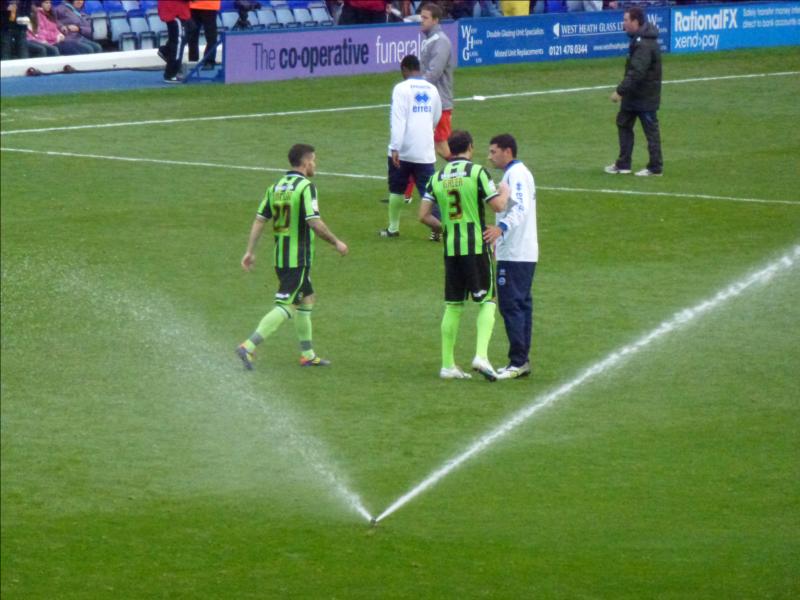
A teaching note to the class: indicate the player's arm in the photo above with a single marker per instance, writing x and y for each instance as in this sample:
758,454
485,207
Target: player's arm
426,214
438,62
399,117
319,227
255,234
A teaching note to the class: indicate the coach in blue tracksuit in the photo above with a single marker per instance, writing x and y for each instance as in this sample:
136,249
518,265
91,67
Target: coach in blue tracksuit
517,253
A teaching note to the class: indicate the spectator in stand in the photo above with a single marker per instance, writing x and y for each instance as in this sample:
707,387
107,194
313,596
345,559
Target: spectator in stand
489,8
364,12
584,5
178,17
244,7
463,9
46,33
75,26
515,8
204,14
14,19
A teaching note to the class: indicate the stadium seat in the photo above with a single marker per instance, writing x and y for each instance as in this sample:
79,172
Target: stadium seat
148,40
148,5
228,19
284,15
112,6
303,17
93,6
154,23
128,41
320,14
130,5
118,24
138,23
266,17
99,26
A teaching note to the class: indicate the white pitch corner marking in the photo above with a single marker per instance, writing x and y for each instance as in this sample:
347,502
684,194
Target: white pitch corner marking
678,320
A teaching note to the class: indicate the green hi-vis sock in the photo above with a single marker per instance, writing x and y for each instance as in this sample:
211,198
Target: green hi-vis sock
268,325
396,202
450,321
484,325
302,325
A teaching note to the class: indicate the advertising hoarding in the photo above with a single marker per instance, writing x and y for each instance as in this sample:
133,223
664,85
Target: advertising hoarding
725,27
553,36
321,52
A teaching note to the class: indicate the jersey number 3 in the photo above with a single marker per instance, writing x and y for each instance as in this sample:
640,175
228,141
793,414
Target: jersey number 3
455,205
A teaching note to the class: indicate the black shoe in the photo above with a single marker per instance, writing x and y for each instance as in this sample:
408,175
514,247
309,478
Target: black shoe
385,233
172,79
208,67
436,236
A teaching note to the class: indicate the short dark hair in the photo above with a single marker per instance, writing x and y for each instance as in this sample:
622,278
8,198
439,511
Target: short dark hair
505,141
459,141
410,63
434,9
636,14
298,152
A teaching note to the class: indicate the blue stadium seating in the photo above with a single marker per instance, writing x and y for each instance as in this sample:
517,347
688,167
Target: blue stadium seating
128,41
267,18
112,6
118,24
148,40
303,16
284,15
155,24
320,14
228,19
99,21
93,6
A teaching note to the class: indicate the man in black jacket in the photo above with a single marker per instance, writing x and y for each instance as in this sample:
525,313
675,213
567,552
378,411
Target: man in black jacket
640,93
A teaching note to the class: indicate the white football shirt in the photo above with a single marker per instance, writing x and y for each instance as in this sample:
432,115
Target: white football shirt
520,241
416,109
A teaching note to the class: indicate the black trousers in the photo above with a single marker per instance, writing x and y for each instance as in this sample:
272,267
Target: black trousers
207,19
13,42
173,51
626,119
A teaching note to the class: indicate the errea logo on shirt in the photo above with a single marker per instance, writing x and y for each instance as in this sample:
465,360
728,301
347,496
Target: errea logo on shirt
421,106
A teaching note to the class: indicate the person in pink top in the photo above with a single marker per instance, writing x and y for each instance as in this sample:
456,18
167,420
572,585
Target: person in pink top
45,32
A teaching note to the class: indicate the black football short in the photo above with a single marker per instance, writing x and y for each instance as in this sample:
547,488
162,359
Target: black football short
471,275
294,284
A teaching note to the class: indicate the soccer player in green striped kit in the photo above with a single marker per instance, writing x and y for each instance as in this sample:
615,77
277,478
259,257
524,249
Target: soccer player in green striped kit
461,189
291,205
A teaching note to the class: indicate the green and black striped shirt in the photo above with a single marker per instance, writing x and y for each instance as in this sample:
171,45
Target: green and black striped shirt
290,204
461,188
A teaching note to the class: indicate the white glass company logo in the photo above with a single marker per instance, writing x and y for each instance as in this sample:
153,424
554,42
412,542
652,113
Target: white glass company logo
557,29
724,18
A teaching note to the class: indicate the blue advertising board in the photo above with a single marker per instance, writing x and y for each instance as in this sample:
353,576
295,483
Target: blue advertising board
725,27
551,36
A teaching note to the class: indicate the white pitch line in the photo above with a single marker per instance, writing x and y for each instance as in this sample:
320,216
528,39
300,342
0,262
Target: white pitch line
369,106
187,163
679,320
667,195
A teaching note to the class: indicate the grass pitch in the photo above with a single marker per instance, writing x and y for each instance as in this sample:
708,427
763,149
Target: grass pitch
138,460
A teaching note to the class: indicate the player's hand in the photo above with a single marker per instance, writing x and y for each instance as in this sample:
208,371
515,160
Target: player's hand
247,261
396,158
615,97
491,234
342,248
